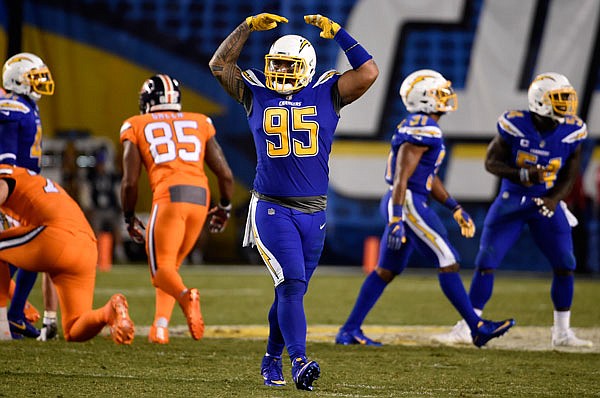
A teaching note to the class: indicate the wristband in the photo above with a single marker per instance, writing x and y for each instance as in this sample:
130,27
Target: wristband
397,211
356,54
524,175
225,208
225,204
451,203
128,216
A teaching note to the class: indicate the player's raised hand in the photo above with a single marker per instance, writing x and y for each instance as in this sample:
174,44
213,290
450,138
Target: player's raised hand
464,220
327,26
264,21
396,235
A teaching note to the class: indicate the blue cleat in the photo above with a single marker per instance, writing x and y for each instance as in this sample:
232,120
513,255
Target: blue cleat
21,327
487,330
355,336
271,370
304,373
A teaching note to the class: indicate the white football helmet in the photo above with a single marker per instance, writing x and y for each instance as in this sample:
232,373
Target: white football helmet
26,74
290,64
552,95
428,91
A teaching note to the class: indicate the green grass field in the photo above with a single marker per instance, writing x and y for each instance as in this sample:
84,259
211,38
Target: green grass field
235,301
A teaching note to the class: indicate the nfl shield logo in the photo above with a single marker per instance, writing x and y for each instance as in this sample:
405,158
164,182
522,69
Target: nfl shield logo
524,143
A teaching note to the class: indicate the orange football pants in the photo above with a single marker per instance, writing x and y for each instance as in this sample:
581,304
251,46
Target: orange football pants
172,232
70,260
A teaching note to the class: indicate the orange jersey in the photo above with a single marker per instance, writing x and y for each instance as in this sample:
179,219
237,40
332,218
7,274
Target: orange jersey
37,200
172,146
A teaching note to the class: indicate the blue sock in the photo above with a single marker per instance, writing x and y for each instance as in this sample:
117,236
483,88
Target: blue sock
562,291
481,289
290,313
371,290
12,270
454,290
275,343
24,283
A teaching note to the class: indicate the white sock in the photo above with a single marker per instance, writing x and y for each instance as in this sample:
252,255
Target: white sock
161,322
49,317
562,320
478,311
3,312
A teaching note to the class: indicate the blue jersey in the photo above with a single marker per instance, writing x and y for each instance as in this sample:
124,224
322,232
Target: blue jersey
529,147
418,129
292,135
20,132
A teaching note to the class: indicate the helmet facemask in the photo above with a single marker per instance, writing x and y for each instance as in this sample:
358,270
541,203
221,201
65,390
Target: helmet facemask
563,101
285,74
41,81
445,96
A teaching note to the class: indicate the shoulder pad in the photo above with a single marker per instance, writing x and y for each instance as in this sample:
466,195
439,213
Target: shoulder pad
574,120
514,114
579,134
8,105
326,76
507,126
126,126
249,75
420,126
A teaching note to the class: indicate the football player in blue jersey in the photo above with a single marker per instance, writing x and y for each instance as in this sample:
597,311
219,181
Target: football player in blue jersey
536,154
292,118
25,79
417,151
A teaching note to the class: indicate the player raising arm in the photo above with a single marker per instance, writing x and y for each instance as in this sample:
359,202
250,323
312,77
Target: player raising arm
292,119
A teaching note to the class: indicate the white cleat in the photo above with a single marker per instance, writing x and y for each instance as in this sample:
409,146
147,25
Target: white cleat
567,338
460,334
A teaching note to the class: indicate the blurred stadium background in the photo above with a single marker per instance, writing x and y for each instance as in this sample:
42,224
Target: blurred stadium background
100,52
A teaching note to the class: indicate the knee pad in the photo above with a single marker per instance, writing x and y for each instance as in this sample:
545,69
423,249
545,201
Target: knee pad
291,290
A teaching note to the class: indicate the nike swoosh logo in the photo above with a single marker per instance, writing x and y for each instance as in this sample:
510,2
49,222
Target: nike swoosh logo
322,226
18,325
361,341
6,112
504,325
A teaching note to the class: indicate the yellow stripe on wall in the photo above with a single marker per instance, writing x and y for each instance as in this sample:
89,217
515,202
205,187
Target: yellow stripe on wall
472,151
360,148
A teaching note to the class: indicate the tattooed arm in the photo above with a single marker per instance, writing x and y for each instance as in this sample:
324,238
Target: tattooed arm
223,64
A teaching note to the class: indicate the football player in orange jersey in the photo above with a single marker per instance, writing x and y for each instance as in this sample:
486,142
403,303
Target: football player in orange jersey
55,237
173,146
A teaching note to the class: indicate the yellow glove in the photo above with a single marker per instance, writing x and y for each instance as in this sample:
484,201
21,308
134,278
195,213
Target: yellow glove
328,27
264,21
464,220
